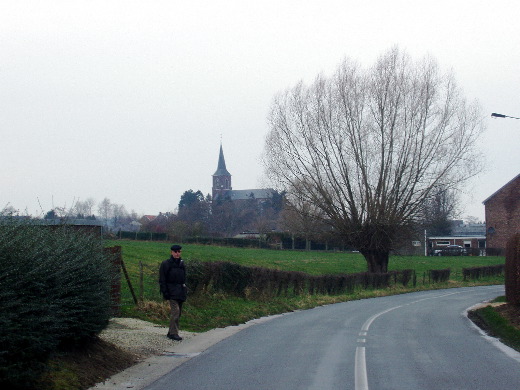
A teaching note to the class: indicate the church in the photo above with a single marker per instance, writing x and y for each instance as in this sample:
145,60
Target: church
222,188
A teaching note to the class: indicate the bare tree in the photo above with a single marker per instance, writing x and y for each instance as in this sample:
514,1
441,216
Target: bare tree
105,210
438,210
88,204
371,145
120,215
300,216
83,208
8,210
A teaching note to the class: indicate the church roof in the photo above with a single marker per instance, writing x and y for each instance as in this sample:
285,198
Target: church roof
221,168
260,193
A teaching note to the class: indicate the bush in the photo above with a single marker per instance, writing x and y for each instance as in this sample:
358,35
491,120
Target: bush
473,273
439,275
54,290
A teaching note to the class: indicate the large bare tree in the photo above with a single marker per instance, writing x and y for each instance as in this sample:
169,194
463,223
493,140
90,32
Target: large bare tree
301,216
369,145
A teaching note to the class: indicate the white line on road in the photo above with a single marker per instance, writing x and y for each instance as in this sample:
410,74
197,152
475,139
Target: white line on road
360,365
360,374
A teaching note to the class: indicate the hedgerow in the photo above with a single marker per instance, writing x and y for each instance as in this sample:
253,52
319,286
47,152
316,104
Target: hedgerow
54,291
242,280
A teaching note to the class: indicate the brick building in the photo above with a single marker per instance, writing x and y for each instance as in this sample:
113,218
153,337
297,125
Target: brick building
503,214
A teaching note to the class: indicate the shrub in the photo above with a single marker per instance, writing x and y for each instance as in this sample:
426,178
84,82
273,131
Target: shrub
439,275
54,290
480,272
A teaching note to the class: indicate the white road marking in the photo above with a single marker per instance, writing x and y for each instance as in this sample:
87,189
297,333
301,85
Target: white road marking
360,375
360,365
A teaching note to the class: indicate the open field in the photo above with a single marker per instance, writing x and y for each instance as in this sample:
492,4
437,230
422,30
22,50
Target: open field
216,309
315,262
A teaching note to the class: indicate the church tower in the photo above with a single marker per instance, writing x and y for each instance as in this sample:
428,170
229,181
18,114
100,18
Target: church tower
221,178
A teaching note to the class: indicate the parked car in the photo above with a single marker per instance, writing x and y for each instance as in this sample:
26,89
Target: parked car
450,250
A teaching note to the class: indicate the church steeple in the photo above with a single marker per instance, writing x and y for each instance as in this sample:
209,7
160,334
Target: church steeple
221,178
221,167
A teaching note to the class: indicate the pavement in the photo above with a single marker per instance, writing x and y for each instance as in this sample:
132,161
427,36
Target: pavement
152,368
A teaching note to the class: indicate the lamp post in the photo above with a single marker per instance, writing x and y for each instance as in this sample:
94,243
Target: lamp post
495,115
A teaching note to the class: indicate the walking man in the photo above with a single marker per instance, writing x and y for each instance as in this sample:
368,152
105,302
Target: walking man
172,281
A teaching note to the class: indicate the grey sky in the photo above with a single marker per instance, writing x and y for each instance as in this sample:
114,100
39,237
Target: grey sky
129,99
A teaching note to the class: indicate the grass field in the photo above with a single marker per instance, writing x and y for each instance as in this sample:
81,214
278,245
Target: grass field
315,262
216,310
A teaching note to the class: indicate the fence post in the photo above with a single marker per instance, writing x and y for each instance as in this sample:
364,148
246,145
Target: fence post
141,281
114,255
128,281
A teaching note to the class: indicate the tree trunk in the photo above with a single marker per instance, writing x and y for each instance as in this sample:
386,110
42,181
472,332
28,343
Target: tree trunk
377,261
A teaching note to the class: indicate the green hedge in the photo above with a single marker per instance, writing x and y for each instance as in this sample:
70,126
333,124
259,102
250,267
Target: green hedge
54,291
240,280
473,273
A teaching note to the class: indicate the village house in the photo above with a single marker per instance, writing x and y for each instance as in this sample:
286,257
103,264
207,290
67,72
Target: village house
502,210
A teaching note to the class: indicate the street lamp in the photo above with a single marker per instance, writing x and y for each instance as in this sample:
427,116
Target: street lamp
495,115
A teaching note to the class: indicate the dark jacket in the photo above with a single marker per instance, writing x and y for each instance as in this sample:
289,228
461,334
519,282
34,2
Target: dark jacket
172,277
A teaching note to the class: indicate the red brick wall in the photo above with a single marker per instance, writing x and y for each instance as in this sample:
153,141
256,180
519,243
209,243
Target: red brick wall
503,214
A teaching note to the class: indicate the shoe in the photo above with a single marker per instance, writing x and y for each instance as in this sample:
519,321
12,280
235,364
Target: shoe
175,337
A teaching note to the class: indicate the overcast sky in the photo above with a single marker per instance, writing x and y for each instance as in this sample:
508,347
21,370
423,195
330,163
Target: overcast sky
130,100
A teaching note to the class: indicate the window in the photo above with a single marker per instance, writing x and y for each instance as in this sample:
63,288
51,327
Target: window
442,243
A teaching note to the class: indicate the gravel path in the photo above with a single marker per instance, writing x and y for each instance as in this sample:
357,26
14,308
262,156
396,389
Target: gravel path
139,337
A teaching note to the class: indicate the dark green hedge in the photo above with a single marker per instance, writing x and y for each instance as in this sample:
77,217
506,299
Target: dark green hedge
439,275
54,291
240,280
473,273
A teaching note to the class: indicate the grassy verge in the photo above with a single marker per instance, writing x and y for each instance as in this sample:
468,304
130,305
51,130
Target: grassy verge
499,323
216,310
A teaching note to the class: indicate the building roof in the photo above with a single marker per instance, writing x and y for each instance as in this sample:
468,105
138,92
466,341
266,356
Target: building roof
221,168
259,193
471,229
501,188
456,237
72,221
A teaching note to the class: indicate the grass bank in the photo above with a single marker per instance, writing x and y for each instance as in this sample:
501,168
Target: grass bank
500,321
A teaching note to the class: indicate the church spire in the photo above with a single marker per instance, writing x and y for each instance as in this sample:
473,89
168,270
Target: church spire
221,167
221,178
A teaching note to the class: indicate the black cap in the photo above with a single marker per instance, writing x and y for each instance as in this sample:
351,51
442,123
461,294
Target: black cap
176,247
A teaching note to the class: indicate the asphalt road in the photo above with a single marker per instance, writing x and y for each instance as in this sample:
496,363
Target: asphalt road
413,341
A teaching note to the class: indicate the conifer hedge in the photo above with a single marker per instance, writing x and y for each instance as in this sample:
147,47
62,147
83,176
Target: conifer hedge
54,291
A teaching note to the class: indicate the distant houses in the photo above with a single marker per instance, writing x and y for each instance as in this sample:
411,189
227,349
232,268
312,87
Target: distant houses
471,236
